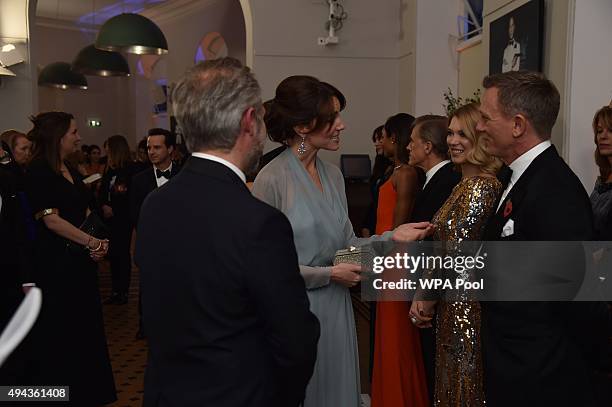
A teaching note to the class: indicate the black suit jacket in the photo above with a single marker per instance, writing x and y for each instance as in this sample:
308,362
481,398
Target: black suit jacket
534,352
435,193
142,184
225,309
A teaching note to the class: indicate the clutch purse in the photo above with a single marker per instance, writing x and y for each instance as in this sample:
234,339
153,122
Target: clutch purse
92,225
361,255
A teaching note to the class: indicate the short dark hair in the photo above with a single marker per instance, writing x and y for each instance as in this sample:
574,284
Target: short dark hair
527,93
434,129
169,137
298,101
400,126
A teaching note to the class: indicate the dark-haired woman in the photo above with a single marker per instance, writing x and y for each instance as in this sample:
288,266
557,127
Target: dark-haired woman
381,165
398,374
69,334
94,165
305,115
115,204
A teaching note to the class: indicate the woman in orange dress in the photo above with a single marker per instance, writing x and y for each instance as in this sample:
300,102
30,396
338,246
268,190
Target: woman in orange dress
398,376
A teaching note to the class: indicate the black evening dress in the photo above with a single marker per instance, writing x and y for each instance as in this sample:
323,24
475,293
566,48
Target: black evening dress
71,347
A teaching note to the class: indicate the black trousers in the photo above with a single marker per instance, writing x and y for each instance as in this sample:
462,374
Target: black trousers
119,254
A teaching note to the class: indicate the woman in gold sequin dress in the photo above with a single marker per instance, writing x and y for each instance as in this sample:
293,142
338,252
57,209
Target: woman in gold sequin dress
462,218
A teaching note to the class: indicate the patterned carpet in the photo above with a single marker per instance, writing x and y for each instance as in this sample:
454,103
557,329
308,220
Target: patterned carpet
128,355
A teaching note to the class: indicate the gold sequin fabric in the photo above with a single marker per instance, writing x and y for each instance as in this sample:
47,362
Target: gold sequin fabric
458,357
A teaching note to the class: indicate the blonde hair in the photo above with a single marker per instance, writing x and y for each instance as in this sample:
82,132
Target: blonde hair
605,115
468,117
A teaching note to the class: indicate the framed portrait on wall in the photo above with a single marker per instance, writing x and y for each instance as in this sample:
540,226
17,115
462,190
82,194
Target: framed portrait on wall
516,39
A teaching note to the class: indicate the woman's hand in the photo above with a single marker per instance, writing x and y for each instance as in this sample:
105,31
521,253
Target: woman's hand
99,251
346,274
421,313
411,232
107,211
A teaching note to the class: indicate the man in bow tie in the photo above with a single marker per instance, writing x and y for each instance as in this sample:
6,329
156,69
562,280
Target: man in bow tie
160,145
512,52
534,352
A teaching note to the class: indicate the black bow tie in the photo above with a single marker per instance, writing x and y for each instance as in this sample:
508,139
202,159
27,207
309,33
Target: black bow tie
504,175
159,173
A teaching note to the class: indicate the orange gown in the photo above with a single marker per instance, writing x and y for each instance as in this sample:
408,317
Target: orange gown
398,374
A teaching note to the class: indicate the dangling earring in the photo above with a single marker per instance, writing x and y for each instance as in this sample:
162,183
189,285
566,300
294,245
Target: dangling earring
302,147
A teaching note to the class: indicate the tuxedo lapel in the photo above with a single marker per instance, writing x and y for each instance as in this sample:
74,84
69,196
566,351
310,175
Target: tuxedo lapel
152,180
512,203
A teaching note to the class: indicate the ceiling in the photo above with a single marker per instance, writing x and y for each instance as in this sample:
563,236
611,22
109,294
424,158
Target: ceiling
85,11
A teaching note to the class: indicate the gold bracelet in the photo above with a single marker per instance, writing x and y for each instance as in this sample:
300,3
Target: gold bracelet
97,248
46,212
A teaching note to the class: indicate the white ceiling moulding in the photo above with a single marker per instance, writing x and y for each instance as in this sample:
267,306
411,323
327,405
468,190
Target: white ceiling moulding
172,10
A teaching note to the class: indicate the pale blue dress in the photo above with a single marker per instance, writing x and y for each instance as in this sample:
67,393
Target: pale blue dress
320,227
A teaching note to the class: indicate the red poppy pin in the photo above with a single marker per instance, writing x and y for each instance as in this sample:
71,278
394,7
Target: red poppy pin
508,209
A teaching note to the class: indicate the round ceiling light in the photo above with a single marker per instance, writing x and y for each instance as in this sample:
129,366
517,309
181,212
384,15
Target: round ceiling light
132,33
93,61
60,75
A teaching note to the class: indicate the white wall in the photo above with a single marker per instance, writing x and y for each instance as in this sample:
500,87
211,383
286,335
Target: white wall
364,65
18,95
591,82
184,34
436,58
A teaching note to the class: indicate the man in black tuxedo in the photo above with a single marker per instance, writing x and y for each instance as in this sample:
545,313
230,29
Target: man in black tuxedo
160,145
429,151
530,351
225,308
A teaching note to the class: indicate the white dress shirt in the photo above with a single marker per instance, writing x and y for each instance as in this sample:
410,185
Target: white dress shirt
432,171
162,180
519,166
220,160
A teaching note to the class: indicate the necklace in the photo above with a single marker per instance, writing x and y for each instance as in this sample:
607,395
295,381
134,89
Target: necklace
397,167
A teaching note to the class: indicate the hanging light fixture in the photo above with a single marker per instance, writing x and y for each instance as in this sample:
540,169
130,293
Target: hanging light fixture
93,61
60,75
96,62
133,33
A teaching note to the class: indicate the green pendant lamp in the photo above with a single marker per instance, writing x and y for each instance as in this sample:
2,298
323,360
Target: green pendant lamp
95,62
132,33
60,75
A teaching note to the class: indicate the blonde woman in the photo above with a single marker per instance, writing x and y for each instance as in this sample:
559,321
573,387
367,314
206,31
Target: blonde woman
462,218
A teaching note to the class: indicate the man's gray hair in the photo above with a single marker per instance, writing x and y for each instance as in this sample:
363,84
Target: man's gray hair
209,101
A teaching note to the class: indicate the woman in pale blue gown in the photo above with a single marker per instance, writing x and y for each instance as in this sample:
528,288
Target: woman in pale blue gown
305,115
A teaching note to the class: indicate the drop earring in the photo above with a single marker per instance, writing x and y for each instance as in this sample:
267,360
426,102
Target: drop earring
302,147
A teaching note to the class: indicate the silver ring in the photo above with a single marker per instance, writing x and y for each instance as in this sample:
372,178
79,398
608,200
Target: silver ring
414,320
